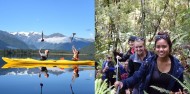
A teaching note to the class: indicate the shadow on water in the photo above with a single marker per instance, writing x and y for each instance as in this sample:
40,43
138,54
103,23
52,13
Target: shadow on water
72,89
41,85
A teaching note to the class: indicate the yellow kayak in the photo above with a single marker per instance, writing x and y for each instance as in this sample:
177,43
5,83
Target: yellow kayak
30,61
34,66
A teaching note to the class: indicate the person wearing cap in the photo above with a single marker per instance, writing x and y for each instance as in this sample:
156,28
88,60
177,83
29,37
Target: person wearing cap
44,55
108,68
123,58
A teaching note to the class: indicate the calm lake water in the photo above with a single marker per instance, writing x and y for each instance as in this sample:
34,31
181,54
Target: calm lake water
27,81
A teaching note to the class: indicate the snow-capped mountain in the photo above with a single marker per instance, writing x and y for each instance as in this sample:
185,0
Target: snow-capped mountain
8,41
54,41
33,71
26,34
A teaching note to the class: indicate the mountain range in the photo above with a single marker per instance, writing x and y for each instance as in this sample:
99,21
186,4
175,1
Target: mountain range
32,40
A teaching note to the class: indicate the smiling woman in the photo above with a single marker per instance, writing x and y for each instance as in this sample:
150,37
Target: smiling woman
157,69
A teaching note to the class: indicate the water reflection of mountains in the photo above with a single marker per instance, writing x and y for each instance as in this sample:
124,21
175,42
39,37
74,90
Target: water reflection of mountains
35,71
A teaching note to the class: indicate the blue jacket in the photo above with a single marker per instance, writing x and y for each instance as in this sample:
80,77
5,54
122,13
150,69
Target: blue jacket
123,73
144,75
110,72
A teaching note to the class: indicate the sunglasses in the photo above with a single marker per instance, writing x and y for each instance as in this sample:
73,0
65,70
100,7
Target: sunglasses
139,39
109,57
161,37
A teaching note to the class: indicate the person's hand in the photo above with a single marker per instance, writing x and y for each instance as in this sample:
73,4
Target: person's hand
118,57
127,91
118,83
116,66
179,92
105,69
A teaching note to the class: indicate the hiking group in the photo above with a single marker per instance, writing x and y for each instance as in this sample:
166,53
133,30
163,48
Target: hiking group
139,69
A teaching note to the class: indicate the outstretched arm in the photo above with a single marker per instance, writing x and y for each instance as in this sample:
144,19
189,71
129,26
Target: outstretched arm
40,52
74,49
137,76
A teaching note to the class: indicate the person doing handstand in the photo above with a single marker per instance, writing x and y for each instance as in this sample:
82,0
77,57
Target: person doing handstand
75,54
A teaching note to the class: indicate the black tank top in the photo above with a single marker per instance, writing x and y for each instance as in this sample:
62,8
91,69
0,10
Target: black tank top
159,79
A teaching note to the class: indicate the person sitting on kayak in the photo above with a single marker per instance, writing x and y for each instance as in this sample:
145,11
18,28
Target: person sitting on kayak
75,54
45,71
44,55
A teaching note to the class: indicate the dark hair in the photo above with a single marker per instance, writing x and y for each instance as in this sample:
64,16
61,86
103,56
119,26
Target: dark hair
165,36
47,75
132,38
108,55
77,75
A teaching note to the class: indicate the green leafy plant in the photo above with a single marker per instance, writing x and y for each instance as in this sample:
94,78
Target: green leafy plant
99,64
162,90
101,86
182,84
145,92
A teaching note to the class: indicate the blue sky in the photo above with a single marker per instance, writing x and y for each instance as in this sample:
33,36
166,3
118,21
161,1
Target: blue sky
51,16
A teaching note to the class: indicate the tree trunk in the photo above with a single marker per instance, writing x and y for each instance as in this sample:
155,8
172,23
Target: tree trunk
142,31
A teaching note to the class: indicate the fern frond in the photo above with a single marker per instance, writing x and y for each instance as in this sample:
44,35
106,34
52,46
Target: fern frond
184,86
145,92
101,86
162,90
107,90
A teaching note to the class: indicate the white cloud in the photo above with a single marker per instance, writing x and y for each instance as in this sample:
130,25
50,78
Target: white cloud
92,36
57,40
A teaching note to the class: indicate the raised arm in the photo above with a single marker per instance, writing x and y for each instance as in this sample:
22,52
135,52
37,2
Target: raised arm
125,57
40,52
74,49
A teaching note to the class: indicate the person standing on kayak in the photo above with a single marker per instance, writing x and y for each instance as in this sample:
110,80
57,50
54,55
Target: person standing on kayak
44,55
75,54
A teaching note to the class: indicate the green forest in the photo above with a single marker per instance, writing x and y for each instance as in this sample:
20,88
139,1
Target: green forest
88,50
116,20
